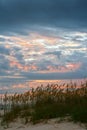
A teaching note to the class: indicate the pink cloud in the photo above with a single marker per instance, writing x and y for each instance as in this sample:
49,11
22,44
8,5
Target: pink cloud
23,67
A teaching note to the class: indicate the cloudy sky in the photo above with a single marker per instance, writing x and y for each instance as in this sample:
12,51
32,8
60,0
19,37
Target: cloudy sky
42,39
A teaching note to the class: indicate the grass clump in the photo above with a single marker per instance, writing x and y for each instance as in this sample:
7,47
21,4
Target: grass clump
49,102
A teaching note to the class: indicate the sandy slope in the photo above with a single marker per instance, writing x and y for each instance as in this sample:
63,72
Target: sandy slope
51,125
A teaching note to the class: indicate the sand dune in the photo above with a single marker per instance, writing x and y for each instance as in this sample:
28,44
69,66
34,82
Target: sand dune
51,125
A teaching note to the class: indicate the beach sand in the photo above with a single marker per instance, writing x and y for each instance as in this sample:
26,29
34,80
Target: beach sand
50,125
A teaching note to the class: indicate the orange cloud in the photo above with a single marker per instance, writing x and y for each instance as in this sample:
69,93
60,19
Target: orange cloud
62,69
34,38
49,69
22,67
7,46
20,41
36,83
73,66
18,86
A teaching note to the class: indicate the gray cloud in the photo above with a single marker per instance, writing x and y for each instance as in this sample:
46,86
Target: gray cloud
53,76
4,50
16,15
63,20
56,53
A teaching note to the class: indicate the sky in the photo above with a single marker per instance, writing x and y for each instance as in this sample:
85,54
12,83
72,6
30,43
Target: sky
42,40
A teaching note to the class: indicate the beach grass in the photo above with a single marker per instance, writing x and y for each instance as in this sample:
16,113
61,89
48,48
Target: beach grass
47,102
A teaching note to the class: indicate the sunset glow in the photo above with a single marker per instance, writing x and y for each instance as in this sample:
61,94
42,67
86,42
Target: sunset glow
41,41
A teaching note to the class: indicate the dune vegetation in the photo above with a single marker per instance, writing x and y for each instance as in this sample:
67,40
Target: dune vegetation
47,102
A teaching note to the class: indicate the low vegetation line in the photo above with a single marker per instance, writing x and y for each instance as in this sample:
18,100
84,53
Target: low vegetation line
47,102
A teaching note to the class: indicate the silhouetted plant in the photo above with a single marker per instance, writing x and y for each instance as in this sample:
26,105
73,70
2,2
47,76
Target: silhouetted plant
49,101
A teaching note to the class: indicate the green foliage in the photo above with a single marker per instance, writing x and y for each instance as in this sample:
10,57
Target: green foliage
10,116
80,114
